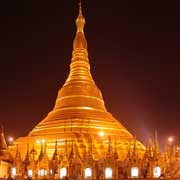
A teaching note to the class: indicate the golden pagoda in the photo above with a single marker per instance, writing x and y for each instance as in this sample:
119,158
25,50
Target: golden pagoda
79,116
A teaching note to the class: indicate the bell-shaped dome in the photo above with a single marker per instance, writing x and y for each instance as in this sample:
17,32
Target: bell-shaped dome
79,112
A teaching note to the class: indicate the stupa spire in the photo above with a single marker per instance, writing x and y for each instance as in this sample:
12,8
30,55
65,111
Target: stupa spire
80,40
55,155
135,147
18,154
80,21
72,154
80,86
4,152
3,145
156,142
27,157
33,152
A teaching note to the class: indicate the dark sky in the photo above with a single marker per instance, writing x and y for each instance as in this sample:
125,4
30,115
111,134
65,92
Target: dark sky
134,52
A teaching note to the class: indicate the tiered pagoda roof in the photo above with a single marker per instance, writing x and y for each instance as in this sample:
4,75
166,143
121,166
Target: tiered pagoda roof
79,114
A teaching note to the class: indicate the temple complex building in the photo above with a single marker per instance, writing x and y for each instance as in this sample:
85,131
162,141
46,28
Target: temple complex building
80,139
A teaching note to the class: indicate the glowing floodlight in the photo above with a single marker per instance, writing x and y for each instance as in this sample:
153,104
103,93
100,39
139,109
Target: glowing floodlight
30,173
42,172
88,173
134,172
11,139
13,171
38,141
170,139
101,133
156,172
108,173
43,141
63,172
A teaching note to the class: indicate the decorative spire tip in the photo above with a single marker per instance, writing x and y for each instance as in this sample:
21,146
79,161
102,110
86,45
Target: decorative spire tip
80,7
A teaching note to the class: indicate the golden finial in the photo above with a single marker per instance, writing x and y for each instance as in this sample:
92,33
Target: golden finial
80,40
80,21
80,7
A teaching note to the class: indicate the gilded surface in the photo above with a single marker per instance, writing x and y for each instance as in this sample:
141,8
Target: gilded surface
79,114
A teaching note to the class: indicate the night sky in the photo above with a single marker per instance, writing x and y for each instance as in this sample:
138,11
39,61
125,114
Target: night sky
134,52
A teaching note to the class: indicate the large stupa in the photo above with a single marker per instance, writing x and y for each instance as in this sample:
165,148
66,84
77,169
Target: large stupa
79,116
